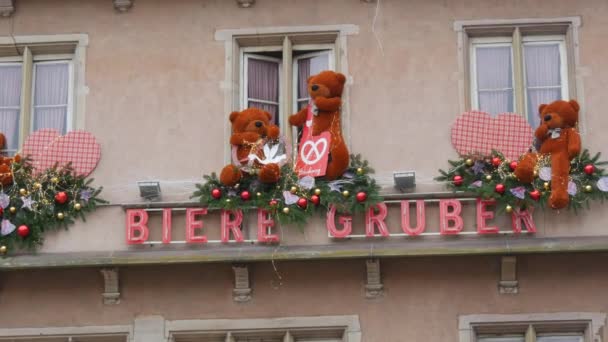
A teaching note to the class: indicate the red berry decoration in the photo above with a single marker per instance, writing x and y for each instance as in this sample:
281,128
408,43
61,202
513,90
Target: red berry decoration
500,188
302,203
535,195
245,195
23,231
315,199
61,197
458,180
361,196
273,203
216,193
513,165
496,161
589,169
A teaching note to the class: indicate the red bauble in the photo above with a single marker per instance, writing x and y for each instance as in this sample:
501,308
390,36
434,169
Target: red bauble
216,193
496,161
61,197
315,199
23,231
245,195
535,195
513,165
589,169
500,188
1,211
302,203
361,196
458,180
273,203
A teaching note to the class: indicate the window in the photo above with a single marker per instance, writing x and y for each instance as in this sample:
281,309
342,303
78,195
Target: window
557,327
514,66
39,80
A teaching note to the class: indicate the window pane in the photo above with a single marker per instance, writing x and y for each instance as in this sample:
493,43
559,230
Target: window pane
501,339
494,79
559,339
543,77
51,89
263,84
308,67
10,100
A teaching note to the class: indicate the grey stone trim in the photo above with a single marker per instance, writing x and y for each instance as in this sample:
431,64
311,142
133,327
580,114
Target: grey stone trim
122,5
373,287
245,3
111,294
242,291
7,8
508,283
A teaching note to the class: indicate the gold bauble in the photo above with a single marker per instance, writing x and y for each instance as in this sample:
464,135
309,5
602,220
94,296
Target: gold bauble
489,177
3,249
228,200
293,189
45,201
469,162
55,180
23,192
60,216
546,185
535,173
359,171
77,206
509,209
12,210
317,191
588,188
259,194
37,185
286,210
345,193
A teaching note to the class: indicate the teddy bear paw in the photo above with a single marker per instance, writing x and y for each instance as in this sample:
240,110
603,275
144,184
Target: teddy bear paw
270,173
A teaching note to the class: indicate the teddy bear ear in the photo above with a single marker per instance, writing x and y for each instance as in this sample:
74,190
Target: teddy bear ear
309,79
341,78
268,115
541,108
574,105
233,116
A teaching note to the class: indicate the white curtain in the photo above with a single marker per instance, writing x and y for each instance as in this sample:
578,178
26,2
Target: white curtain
494,79
51,89
543,77
10,101
306,68
263,84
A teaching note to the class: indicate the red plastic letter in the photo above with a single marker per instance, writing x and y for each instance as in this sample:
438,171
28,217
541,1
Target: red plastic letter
518,216
192,224
373,220
140,226
446,216
483,215
420,218
345,221
233,226
264,225
167,225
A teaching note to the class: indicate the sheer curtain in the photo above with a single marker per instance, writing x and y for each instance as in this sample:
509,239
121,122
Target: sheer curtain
263,86
307,67
10,101
494,79
51,89
543,77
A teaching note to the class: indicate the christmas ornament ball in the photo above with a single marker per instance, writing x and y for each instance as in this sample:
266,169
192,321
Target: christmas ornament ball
317,191
12,210
489,177
361,196
55,180
496,161
457,180
259,194
245,195
3,249
23,231
588,188
273,203
513,165
302,203
286,210
469,162
23,192
293,190
77,206
345,193
216,193
359,171
61,197
589,169
546,185
60,216
315,199
509,209
37,185
500,188
535,195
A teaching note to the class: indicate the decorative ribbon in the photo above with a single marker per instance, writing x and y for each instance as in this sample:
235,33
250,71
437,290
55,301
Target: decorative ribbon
555,132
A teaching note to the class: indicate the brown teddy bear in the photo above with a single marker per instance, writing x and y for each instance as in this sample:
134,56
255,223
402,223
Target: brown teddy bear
558,138
248,128
326,89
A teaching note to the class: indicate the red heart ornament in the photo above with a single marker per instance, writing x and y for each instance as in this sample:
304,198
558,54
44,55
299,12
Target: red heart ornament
47,148
477,133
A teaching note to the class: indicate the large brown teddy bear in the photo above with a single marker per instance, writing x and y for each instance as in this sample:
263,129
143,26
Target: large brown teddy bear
6,172
248,128
326,90
559,138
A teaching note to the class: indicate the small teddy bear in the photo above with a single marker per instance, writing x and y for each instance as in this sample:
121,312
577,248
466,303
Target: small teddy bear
249,127
559,138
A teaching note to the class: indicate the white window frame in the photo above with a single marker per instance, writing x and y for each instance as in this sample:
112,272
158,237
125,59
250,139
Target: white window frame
77,333
46,60
588,324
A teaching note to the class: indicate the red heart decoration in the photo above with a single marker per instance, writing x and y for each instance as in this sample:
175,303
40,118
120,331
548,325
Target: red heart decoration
478,133
47,148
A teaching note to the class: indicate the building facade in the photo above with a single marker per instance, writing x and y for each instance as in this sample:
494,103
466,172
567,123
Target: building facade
154,81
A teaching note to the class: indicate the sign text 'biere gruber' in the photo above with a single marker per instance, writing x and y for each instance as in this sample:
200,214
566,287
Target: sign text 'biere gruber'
450,223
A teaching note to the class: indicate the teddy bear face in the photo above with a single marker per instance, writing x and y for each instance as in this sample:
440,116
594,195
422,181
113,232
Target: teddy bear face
559,114
252,120
326,84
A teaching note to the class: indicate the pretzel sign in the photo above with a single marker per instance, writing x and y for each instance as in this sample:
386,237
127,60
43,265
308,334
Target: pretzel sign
314,150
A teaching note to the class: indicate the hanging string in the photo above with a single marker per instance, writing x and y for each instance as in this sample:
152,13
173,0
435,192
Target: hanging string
374,27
